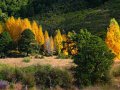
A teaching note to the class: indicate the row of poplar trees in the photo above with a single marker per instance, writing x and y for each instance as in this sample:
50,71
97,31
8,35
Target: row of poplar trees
50,44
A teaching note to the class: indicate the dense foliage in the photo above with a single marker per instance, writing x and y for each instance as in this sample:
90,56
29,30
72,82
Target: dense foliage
93,60
5,40
27,43
28,8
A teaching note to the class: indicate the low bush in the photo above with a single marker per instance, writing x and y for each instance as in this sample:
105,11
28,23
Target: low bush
11,74
26,59
15,54
52,77
61,78
115,71
39,56
45,76
28,79
62,56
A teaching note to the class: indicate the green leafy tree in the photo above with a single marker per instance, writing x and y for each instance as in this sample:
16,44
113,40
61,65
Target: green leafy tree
93,60
27,43
12,7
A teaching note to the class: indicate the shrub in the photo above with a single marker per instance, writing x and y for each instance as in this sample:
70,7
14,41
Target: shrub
62,56
115,71
11,74
26,59
7,74
42,75
45,76
28,79
93,60
15,54
60,78
39,56
52,77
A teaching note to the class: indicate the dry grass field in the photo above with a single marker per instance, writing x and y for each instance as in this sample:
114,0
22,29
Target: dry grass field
53,61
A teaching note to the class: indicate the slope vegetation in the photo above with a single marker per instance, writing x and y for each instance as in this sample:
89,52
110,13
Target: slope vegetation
96,20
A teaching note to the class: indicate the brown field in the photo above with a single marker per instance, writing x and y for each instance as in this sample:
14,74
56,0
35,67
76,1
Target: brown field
53,61
63,63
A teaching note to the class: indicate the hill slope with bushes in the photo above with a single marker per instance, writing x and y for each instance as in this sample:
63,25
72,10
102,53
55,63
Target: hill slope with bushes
96,20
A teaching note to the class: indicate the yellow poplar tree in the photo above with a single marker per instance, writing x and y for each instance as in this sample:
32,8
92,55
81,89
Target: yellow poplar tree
64,36
47,41
16,26
13,28
25,23
58,41
35,29
40,36
113,37
1,28
51,45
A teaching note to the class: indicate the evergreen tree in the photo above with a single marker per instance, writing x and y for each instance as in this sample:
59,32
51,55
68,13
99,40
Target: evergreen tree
5,40
27,42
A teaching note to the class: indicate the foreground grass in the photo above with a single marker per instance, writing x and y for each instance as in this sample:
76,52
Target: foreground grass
113,85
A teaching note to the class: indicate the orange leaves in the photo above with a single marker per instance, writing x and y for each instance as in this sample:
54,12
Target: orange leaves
113,37
13,27
1,28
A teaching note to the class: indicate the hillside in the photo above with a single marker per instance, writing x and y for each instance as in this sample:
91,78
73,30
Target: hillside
95,20
67,15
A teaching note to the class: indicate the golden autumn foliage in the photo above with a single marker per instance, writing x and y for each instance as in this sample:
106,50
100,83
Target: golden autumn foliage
40,36
1,28
58,41
47,41
25,24
69,46
113,37
16,26
35,29
51,45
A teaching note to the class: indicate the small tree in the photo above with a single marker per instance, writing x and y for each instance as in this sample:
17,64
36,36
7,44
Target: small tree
93,60
27,42
58,40
5,40
113,37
